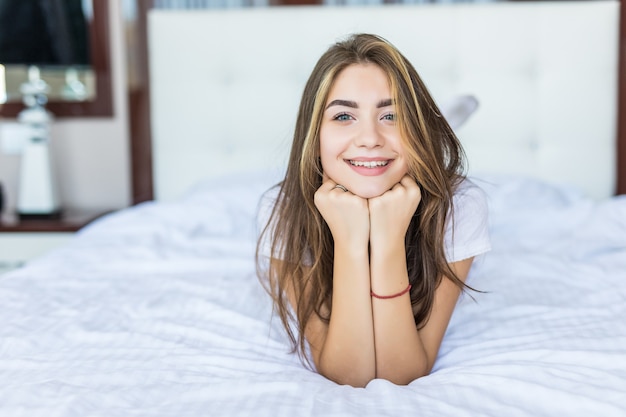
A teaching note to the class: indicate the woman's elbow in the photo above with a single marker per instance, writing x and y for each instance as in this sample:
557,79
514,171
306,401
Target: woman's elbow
406,379
355,378
405,375
361,379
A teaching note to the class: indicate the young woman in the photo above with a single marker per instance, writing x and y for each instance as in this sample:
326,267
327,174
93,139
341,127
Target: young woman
374,228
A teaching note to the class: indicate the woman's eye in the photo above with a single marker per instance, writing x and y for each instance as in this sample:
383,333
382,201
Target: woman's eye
342,117
390,116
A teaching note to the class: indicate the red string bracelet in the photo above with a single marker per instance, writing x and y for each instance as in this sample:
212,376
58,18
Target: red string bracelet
386,297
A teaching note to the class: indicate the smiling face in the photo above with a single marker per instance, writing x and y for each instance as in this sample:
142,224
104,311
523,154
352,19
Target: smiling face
360,142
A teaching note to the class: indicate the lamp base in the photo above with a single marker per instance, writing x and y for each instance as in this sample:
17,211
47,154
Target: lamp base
53,215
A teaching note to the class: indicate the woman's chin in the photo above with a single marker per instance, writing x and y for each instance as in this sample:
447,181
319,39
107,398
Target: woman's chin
368,192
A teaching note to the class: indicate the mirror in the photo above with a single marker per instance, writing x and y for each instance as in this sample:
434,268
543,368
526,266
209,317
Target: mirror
64,42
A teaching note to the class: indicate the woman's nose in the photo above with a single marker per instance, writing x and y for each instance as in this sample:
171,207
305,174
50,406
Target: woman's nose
369,136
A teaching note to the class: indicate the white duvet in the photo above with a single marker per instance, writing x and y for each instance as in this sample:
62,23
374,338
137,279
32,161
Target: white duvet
156,311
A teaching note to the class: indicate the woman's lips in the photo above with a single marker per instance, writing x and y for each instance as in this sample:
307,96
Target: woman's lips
369,166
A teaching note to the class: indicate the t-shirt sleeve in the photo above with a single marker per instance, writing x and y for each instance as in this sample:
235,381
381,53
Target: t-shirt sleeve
264,211
467,231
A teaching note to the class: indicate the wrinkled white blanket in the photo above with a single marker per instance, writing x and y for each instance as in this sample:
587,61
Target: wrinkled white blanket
156,311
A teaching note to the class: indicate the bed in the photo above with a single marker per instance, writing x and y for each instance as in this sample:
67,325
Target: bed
156,310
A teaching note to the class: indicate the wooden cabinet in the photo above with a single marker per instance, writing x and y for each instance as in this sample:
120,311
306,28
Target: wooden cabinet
23,240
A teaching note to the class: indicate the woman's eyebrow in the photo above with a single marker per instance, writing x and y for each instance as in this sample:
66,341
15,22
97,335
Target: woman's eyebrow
353,104
384,103
346,103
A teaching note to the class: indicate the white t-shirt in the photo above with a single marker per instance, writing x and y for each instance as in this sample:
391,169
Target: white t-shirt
467,231
468,238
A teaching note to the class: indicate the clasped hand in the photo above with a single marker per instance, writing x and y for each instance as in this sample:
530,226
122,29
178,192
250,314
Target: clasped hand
355,220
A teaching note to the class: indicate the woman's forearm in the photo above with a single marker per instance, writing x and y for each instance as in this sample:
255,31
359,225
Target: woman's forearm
400,354
347,355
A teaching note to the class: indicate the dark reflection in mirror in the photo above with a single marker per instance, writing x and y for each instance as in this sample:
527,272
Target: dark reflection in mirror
53,36
44,32
67,42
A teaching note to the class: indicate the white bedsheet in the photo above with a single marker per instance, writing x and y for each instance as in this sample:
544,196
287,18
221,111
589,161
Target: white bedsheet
156,311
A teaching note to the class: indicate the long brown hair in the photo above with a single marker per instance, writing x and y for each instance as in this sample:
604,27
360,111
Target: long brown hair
298,235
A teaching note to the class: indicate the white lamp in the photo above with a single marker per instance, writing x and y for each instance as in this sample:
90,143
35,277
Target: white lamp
37,194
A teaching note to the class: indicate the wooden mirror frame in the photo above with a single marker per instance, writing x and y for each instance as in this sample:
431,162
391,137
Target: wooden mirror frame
100,51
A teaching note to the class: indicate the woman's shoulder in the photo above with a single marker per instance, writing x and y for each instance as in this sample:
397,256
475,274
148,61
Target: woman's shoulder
467,231
468,196
265,205
467,187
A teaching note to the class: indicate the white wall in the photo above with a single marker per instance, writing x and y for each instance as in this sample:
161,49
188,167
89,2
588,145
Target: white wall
91,154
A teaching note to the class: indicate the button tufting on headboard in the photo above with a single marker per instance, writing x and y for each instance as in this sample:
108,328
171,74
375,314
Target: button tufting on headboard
545,74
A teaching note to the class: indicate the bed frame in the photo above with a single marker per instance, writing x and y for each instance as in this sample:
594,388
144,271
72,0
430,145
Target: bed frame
225,84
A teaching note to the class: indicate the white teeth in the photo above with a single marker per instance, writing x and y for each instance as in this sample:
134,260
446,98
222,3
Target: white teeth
369,164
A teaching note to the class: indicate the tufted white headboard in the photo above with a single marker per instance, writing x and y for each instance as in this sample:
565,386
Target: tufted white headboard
225,84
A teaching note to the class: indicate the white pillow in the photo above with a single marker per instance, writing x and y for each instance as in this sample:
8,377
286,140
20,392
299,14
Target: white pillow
458,109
